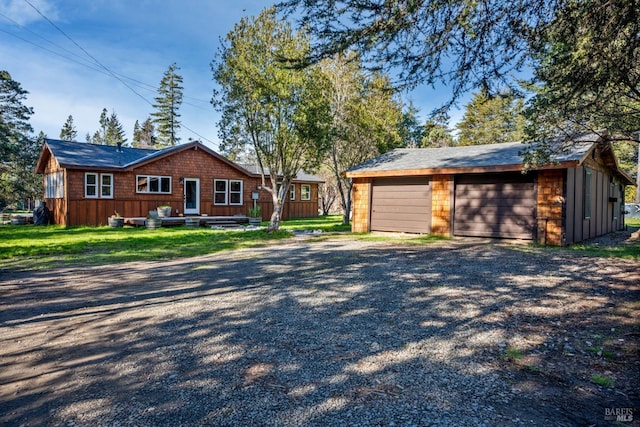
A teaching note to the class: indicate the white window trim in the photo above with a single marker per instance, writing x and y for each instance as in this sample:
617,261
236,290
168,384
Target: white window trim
96,185
110,196
235,192
54,185
160,177
225,192
302,197
292,192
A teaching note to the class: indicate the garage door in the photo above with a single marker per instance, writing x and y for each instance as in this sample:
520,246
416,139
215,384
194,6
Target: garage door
495,205
401,205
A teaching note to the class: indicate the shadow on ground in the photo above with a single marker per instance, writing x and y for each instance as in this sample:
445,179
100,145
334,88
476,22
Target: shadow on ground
325,333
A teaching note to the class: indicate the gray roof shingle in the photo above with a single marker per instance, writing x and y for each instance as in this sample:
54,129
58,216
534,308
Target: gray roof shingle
473,156
76,154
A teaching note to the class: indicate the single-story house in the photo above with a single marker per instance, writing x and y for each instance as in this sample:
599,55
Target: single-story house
483,191
85,183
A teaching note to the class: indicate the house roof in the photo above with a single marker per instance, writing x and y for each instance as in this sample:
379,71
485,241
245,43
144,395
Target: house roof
474,159
302,176
79,155
75,155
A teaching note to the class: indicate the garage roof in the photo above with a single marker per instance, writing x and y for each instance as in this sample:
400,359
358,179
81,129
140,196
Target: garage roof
472,159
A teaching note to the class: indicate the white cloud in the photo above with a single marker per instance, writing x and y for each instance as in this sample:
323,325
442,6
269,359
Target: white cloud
21,12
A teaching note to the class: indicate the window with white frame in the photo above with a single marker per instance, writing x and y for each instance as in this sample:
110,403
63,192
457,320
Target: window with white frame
305,192
227,192
54,185
98,185
235,192
106,185
220,192
153,184
292,192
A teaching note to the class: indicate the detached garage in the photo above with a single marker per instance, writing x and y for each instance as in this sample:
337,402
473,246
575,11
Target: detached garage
482,191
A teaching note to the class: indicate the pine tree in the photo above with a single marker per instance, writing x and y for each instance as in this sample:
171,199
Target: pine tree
17,150
144,136
115,132
167,106
492,119
135,142
68,132
111,131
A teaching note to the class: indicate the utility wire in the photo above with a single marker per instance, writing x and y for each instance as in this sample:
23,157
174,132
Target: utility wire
96,61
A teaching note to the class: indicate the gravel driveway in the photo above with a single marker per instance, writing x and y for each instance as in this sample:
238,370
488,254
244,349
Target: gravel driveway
336,332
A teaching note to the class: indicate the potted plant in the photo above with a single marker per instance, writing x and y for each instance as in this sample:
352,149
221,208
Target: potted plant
153,221
164,211
255,217
116,220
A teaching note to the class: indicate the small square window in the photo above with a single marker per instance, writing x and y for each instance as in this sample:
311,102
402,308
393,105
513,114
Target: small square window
305,192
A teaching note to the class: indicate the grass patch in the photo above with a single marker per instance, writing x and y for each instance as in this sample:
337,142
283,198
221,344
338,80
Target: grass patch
513,354
601,380
329,223
599,351
632,222
33,247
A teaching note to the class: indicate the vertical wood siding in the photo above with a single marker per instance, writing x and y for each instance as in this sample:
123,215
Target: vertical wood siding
605,212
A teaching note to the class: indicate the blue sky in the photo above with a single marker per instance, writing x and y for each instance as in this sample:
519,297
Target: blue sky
137,39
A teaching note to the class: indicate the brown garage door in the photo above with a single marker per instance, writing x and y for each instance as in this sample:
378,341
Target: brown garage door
495,205
401,205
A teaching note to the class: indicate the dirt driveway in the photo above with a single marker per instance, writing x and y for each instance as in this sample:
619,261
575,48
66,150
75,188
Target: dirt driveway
338,332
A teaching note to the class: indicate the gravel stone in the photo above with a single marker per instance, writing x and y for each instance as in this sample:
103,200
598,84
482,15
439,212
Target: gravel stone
334,332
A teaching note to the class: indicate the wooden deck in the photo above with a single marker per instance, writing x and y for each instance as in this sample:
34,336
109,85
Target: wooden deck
208,221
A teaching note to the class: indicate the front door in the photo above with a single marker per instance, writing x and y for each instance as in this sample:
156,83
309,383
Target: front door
191,196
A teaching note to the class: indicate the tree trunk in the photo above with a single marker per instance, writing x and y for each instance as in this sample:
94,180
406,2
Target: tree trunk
278,198
638,177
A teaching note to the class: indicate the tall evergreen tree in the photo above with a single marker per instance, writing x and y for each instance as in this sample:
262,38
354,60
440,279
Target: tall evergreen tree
111,130
167,107
410,129
68,131
492,119
144,136
17,149
436,132
135,142
115,131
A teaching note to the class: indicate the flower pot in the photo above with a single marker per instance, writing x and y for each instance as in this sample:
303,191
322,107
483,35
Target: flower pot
116,222
192,222
164,211
255,221
153,223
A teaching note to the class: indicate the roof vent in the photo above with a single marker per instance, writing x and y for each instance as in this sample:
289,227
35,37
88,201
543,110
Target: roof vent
119,147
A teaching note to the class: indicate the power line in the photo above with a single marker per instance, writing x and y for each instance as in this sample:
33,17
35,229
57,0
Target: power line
102,67
88,54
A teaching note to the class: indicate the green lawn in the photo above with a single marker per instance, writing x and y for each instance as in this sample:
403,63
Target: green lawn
29,246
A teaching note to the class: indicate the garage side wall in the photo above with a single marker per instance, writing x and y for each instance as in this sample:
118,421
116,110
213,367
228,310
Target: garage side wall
361,200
